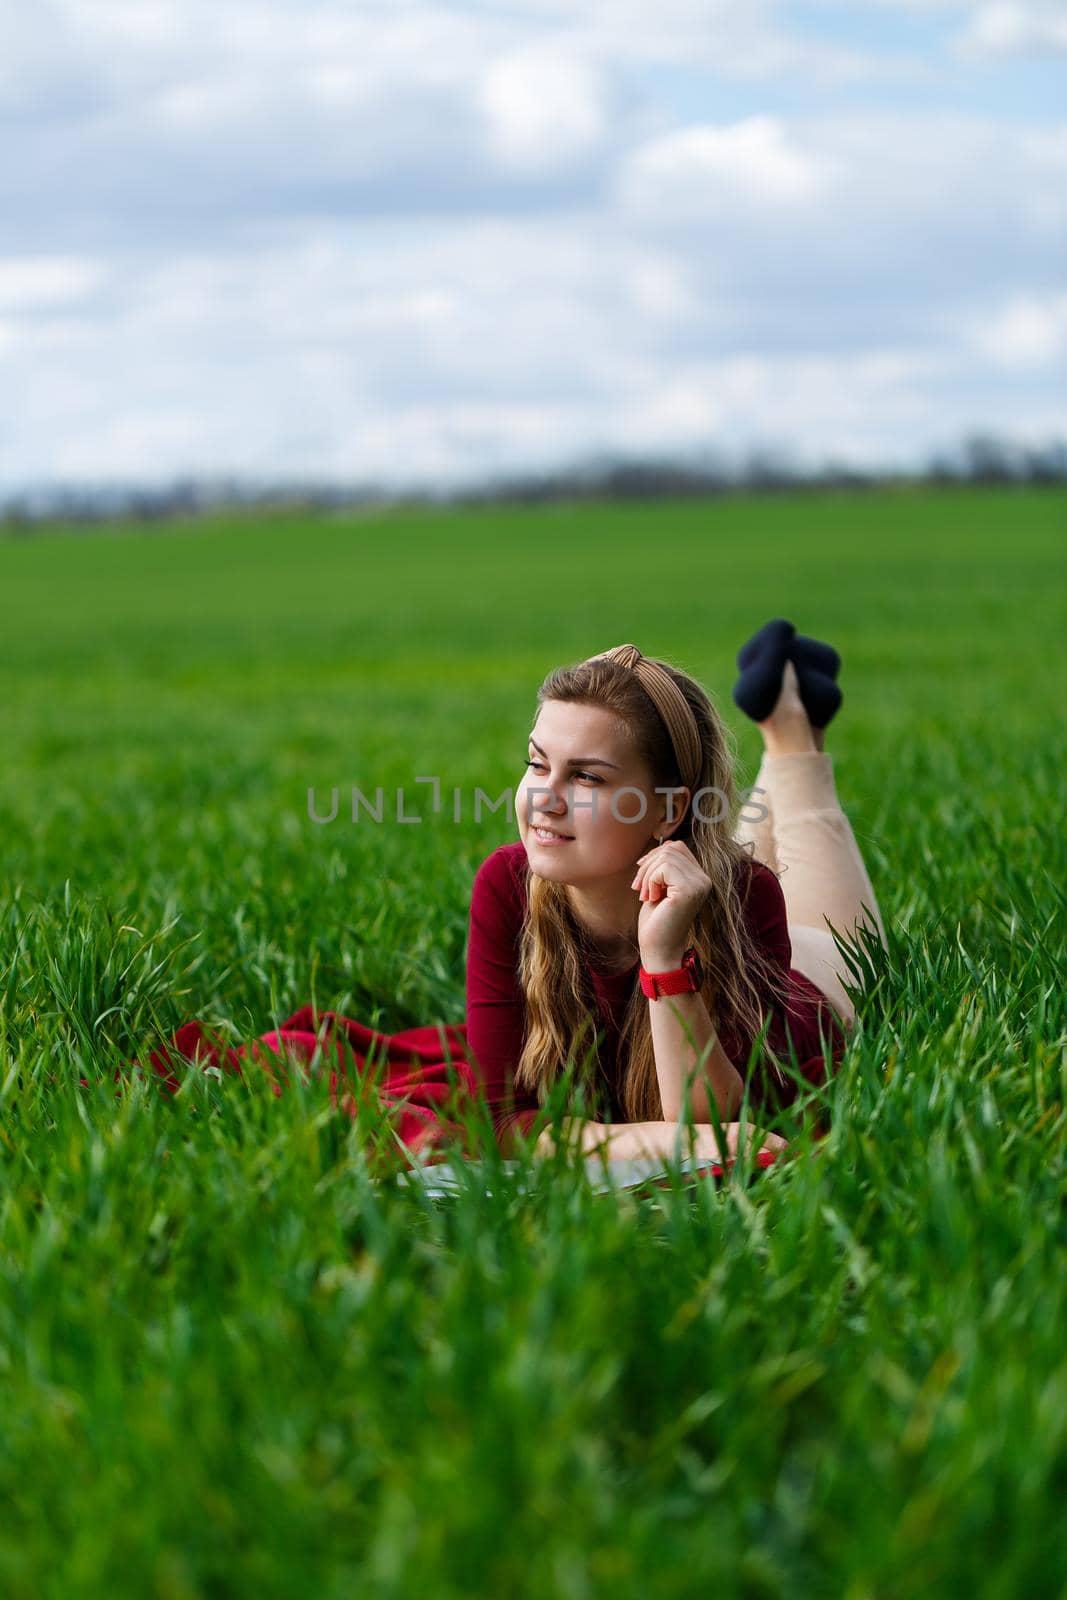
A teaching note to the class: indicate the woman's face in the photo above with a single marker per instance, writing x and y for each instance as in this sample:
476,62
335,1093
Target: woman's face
585,782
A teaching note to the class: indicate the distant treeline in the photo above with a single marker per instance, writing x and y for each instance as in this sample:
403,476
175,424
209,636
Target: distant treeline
981,459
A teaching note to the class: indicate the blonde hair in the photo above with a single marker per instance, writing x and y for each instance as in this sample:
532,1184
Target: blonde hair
553,950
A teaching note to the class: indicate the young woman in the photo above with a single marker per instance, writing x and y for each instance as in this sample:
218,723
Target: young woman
638,926
632,863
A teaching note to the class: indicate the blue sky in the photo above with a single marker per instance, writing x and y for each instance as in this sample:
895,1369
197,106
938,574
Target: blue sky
419,243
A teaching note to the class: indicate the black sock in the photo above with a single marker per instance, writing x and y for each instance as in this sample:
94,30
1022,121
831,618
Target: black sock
762,661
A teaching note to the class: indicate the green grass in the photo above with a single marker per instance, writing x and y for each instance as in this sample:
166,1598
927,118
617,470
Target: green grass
232,1363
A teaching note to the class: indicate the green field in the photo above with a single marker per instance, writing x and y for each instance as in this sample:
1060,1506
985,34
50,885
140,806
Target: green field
232,1364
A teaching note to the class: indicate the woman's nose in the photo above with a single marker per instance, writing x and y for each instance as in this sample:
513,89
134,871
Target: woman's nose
546,795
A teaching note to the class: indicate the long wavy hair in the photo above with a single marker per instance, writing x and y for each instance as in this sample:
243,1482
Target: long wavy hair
560,1003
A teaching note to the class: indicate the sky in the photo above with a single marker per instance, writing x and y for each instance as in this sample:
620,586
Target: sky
415,245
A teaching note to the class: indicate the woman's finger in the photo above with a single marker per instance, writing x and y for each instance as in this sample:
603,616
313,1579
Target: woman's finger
653,878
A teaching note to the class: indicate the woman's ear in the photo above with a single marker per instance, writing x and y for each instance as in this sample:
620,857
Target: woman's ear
672,813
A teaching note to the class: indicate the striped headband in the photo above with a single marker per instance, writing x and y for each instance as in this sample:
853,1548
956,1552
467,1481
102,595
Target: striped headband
671,704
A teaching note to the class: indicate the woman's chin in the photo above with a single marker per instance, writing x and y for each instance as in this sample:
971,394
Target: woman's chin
542,860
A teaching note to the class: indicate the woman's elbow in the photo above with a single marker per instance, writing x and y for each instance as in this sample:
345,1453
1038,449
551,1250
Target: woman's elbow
728,1107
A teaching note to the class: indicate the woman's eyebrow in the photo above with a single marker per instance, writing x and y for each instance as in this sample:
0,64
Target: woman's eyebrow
581,761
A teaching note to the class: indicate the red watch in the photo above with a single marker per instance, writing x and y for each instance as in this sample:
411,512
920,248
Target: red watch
686,979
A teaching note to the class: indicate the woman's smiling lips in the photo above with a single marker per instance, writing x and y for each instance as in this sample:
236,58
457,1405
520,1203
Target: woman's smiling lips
548,836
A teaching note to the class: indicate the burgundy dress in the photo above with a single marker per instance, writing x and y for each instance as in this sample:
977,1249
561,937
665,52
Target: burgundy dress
496,1008
425,1065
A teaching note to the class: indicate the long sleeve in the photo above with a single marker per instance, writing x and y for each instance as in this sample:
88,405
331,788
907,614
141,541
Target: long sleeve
766,929
808,1012
496,1008
767,919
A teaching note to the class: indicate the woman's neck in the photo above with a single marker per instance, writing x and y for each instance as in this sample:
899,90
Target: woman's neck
607,917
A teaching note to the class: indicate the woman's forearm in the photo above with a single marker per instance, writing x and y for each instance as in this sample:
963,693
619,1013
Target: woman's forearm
621,1140
624,1140
678,1022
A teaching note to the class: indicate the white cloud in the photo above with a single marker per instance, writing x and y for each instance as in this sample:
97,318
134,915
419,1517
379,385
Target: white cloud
1015,27
543,110
748,41
154,24
1029,332
410,239
743,165
414,354
849,406
208,108
29,283
661,287
991,29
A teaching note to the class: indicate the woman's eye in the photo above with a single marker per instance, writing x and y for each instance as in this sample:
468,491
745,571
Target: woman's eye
537,765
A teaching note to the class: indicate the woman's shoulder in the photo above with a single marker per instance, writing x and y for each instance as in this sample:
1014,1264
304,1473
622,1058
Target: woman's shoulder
503,874
763,908
506,862
757,882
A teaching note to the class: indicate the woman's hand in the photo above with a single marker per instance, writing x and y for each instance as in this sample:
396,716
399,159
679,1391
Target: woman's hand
545,1144
673,886
732,1130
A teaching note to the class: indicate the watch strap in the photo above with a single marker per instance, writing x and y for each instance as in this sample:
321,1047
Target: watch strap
685,979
